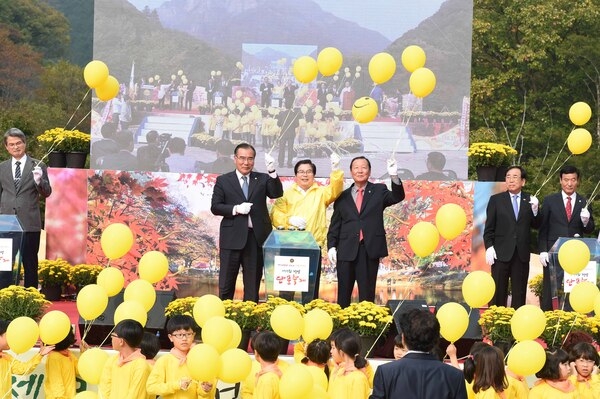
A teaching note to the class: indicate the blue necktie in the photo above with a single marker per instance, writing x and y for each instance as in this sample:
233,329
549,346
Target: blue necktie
245,186
17,175
516,205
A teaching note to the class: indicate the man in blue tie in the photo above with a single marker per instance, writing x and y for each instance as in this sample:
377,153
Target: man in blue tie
507,234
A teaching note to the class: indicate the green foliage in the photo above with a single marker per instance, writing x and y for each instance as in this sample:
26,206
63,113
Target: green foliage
17,301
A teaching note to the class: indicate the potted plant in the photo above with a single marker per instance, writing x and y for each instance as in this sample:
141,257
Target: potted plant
368,320
181,306
495,324
559,323
53,276
84,274
70,145
488,158
17,301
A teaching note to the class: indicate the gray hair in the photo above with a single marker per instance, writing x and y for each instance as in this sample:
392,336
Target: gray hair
14,132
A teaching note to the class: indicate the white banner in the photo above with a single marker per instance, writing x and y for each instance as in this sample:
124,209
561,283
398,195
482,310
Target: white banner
291,273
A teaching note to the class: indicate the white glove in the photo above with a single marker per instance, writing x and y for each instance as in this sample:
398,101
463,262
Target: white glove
544,258
392,167
243,208
490,255
270,163
37,175
335,161
297,221
535,204
332,255
585,216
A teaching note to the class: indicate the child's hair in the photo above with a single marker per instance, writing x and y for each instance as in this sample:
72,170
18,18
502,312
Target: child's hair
489,370
150,345
131,331
398,341
267,345
318,351
349,342
66,342
469,363
584,350
554,357
3,326
181,322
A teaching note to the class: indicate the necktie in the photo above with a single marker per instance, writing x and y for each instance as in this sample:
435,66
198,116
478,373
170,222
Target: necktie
359,200
245,186
568,208
17,174
516,205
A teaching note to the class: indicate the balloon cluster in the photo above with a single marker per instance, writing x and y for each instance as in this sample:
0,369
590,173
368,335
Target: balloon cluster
97,77
580,139
424,237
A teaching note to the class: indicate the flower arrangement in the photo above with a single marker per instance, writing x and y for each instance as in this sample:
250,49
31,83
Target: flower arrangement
54,272
490,154
84,274
61,140
333,309
181,306
17,301
536,284
495,323
366,318
243,313
559,323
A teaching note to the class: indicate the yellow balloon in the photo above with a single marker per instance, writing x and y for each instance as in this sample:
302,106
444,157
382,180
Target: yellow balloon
54,327
317,324
92,301
583,297
597,305
218,333
90,365
526,358
527,323
454,321
318,392
478,288
208,306
423,238
329,61
204,362
579,141
580,113
153,266
22,333
382,67
95,73
116,240
236,336
287,322
318,376
109,89
364,110
573,256
296,382
305,69
235,366
413,57
133,310
112,280
87,395
422,82
141,291
450,221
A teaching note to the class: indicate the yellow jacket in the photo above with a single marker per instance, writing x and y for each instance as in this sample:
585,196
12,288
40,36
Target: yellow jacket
10,366
311,205
61,370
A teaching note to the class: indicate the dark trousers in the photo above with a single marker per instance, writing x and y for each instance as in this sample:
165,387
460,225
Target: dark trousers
363,270
306,296
29,255
286,140
548,292
518,272
250,258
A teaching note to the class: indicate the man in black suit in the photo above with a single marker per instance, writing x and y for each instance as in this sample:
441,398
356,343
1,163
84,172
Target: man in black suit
240,197
420,373
266,91
23,183
507,234
288,120
558,222
356,236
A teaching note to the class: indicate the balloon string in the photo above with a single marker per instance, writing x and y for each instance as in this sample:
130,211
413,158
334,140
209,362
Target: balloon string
398,141
79,106
108,336
570,328
592,197
558,321
552,171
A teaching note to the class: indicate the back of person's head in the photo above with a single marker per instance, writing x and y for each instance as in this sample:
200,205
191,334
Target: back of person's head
131,331
318,352
177,145
67,341
575,337
3,326
398,341
224,147
152,136
108,130
436,160
124,139
150,345
348,342
267,345
489,370
181,322
551,369
585,351
469,363
421,330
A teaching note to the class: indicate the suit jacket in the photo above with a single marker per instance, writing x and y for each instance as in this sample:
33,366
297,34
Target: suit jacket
554,223
504,232
25,202
346,222
418,376
227,193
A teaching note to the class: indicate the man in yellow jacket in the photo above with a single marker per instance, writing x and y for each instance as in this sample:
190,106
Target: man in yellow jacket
304,205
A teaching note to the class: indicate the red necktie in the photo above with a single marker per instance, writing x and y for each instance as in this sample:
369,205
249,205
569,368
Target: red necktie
568,208
359,199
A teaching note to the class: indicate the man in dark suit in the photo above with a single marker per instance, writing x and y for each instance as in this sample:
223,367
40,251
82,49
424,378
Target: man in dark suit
507,234
240,197
23,182
356,238
557,222
419,374
288,120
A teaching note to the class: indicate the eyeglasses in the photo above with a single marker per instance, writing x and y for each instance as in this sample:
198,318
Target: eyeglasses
183,335
245,159
305,172
13,145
